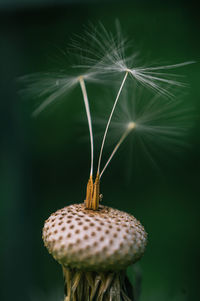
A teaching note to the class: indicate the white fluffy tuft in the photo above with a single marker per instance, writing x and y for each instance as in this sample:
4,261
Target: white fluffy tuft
103,59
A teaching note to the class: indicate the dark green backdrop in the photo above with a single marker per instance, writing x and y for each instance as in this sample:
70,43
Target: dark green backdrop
45,161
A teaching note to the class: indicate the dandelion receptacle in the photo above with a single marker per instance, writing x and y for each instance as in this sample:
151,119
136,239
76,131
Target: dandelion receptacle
95,243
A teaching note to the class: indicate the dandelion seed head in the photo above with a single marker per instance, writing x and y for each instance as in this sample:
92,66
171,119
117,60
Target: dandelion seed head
155,123
49,87
102,58
106,55
131,125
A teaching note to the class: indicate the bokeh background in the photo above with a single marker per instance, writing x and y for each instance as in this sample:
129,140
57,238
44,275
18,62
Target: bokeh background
45,161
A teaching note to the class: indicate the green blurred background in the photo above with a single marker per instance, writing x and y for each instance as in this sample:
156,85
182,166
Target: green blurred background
45,161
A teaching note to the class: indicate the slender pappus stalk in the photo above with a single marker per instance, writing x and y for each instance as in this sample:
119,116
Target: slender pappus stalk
103,57
109,120
87,108
93,190
131,126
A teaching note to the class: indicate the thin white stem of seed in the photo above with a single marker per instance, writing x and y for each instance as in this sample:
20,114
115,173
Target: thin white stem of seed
130,127
109,120
87,108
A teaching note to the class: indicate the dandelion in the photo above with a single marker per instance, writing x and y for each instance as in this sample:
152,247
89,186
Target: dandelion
94,243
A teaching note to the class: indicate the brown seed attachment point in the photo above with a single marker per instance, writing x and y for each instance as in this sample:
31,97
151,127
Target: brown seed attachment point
93,193
89,193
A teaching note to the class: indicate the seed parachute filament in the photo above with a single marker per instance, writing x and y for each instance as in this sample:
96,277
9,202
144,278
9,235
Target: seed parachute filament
87,107
109,120
131,126
104,57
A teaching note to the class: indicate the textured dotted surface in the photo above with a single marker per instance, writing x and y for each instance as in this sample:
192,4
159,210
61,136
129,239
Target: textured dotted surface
107,239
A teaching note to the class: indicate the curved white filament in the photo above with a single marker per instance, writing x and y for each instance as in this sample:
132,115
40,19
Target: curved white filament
109,120
130,127
87,108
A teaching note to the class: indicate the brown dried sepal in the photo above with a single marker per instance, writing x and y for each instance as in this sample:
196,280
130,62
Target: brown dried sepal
95,286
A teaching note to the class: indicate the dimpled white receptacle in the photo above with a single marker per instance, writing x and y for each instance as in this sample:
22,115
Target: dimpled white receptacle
94,249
